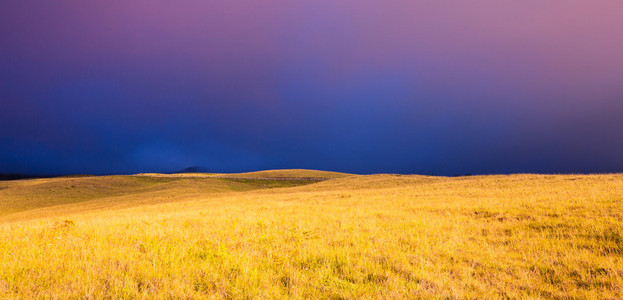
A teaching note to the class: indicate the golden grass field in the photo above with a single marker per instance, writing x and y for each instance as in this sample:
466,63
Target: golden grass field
351,237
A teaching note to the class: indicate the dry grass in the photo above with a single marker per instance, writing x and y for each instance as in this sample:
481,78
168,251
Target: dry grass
378,236
289,173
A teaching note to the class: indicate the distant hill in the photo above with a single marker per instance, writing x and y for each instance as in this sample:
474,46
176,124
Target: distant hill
82,193
289,173
194,169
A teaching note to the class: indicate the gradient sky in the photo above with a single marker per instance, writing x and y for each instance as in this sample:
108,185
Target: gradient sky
427,87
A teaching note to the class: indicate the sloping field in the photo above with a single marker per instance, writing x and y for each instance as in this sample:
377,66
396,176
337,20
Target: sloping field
268,174
21,199
294,173
374,236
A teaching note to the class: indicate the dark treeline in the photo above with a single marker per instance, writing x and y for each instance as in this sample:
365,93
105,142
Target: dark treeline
15,176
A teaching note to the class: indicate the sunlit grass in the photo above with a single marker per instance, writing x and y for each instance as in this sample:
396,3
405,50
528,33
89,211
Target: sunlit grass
380,236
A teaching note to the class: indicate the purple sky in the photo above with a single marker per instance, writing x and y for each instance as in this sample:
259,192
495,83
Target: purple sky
429,87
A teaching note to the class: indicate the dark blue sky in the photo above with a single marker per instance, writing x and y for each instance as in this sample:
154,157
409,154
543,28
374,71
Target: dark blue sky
401,86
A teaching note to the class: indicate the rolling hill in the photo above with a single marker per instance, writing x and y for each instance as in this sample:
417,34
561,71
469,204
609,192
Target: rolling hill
353,236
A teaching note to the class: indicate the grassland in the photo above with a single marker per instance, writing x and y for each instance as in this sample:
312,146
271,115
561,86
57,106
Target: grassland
375,236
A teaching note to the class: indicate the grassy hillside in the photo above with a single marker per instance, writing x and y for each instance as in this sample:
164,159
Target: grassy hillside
294,173
22,199
290,173
375,236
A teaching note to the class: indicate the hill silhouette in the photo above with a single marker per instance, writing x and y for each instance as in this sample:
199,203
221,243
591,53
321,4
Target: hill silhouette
194,169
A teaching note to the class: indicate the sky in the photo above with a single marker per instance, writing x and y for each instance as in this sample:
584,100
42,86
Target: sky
397,86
